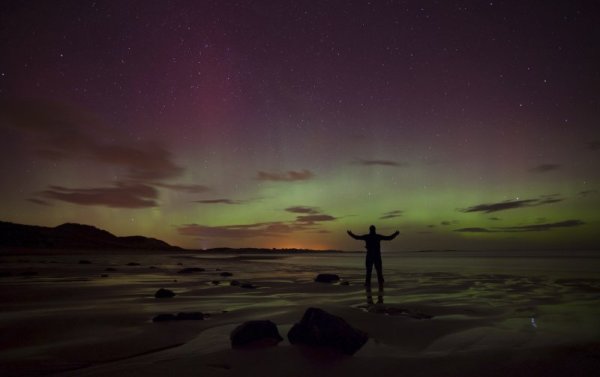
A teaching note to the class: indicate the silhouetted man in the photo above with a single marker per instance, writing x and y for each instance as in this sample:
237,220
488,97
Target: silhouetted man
373,252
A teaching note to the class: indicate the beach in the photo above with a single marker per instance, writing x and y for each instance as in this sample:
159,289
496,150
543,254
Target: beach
439,313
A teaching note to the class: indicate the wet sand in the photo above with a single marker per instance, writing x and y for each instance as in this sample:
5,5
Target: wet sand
61,316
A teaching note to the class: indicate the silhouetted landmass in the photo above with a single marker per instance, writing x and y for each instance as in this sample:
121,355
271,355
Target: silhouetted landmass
73,236
251,250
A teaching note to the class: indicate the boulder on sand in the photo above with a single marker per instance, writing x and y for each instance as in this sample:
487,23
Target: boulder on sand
319,328
190,270
327,278
164,293
259,333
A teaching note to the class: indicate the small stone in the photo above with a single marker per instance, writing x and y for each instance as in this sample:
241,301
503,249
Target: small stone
248,286
85,261
327,278
133,264
110,269
226,274
164,318
190,316
234,283
164,293
190,270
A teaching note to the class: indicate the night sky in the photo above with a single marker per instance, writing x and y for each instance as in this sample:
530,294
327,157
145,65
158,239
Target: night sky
465,125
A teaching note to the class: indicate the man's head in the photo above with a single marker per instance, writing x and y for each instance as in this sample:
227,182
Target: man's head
372,229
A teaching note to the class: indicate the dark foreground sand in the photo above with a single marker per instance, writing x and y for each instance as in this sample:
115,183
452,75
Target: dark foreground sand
61,317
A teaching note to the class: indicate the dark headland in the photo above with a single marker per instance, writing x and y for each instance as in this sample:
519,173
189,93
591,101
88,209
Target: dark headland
73,236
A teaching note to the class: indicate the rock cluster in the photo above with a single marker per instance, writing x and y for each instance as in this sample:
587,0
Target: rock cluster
316,329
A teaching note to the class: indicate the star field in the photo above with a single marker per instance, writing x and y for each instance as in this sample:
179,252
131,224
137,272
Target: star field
462,124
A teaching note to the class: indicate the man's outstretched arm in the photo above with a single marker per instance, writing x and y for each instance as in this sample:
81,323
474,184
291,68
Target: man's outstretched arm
354,235
391,236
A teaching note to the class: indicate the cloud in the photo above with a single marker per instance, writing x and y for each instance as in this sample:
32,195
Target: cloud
268,229
303,209
381,163
39,201
392,214
512,204
524,228
542,227
472,230
123,195
310,219
588,192
544,168
594,145
192,189
218,201
59,132
289,176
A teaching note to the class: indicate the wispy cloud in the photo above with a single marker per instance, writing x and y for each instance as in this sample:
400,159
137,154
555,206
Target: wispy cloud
381,163
524,228
219,201
192,189
39,201
289,176
544,168
587,192
307,219
303,209
311,219
513,204
594,145
269,229
473,230
391,214
123,195
59,132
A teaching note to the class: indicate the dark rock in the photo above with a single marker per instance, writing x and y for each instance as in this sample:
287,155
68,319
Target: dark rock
248,286
4,274
255,333
319,328
133,264
216,282
164,293
234,283
28,273
104,275
110,269
190,316
327,278
346,282
226,274
190,270
164,318
85,261
152,267
183,316
180,264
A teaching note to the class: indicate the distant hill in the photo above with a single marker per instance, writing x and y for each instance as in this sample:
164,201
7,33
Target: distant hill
251,250
73,236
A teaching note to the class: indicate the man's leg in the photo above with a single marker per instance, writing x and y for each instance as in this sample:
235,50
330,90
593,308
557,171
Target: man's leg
379,269
369,267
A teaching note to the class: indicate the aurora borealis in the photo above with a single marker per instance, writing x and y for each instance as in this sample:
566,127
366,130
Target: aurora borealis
465,125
